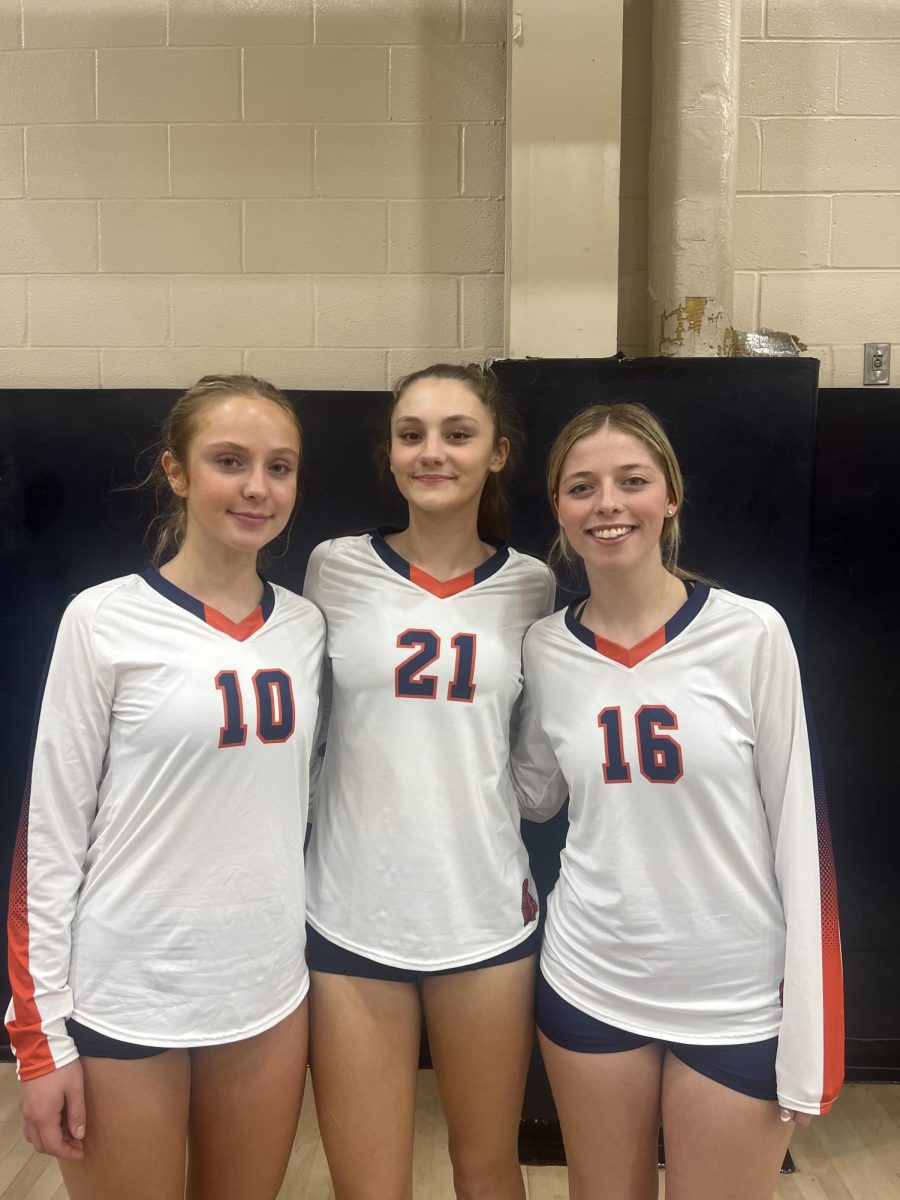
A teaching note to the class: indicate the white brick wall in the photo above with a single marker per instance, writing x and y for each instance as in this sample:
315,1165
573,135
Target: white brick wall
307,189
817,235
818,215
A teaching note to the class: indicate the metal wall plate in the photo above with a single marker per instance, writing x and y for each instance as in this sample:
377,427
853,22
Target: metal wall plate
877,364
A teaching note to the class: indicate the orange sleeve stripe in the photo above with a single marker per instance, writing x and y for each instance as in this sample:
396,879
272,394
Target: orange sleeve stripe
832,971
26,1030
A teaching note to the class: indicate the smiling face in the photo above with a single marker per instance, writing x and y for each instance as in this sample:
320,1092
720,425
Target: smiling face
240,478
613,500
443,446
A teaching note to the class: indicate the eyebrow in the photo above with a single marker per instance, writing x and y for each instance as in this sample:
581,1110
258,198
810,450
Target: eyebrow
444,421
290,450
623,467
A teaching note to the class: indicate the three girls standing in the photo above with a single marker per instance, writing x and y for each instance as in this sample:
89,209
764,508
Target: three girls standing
689,889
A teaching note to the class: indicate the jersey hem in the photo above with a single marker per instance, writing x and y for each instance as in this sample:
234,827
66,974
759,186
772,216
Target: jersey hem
680,1038
24,1074
180,1043
809,1108
407,965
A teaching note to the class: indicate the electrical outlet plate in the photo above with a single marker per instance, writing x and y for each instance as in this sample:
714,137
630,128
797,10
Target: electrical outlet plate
877,364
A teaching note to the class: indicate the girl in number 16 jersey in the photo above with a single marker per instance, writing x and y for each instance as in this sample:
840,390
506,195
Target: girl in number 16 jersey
420,900
156,924
691,962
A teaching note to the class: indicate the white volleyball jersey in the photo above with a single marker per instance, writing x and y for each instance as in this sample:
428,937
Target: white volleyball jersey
697,882
157,888
416,859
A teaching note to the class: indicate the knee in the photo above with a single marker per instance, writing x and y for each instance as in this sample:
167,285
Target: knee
490,1175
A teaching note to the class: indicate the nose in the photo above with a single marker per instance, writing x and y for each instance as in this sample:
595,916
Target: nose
606,497
255,481
431,448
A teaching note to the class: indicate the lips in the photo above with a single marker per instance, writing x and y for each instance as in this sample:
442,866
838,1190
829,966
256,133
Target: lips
250,518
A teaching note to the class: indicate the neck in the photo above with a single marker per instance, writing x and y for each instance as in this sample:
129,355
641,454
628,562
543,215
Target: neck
626,607
224,579
443,545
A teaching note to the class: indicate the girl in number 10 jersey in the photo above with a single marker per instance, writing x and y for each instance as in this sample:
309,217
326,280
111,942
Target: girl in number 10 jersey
691,962
156,925
420,901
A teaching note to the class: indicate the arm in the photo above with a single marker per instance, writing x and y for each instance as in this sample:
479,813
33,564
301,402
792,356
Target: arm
540,787
811,1040
70,742
317,758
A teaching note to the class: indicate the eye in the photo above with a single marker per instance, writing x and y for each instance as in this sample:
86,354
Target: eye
282,468
460,435
228,461
635,481
408,436
578,489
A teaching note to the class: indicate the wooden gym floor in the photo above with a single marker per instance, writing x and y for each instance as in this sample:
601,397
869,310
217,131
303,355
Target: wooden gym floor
853,1154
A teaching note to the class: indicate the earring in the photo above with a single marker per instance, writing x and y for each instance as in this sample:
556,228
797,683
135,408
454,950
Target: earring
670,511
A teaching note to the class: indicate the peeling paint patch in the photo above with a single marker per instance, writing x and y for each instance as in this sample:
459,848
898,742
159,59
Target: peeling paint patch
698,327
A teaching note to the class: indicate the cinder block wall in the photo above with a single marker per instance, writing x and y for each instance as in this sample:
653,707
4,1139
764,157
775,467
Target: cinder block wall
310,190
818,214
818,209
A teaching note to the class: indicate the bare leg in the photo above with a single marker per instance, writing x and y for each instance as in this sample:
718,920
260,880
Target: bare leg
481,1030
137,1117
365,1036
720,1144
608,1107
245,1104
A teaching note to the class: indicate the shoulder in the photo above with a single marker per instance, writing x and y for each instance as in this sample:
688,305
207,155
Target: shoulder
754,615
296,607
533,574
84,607
547,631
531,566
340,547
336,550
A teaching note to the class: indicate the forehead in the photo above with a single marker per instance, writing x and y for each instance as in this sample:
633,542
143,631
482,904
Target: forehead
245,419
436,399
606,449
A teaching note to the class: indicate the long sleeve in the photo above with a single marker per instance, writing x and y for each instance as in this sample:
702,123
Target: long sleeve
326,683
540,787
810,1063
70,742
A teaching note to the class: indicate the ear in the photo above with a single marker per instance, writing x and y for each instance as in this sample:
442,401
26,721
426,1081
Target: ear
671,507
500,455
556,508
174,473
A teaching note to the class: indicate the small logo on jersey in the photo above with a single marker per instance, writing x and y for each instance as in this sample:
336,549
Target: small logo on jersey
529,905
781,993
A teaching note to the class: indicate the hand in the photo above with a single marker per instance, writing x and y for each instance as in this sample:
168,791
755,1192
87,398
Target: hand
53,1111
799,1118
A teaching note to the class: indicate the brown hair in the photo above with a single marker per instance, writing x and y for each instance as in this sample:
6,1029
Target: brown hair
493,507
639,422
167,529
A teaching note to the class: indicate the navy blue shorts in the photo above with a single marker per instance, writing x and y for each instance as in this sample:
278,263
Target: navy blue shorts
91,1044
323,955
748,1068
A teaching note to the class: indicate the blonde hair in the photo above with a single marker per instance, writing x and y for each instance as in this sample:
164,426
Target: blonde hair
167,529
638,422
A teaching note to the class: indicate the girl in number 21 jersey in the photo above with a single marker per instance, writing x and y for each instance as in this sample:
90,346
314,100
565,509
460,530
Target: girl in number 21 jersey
420,900
691,962
157,912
